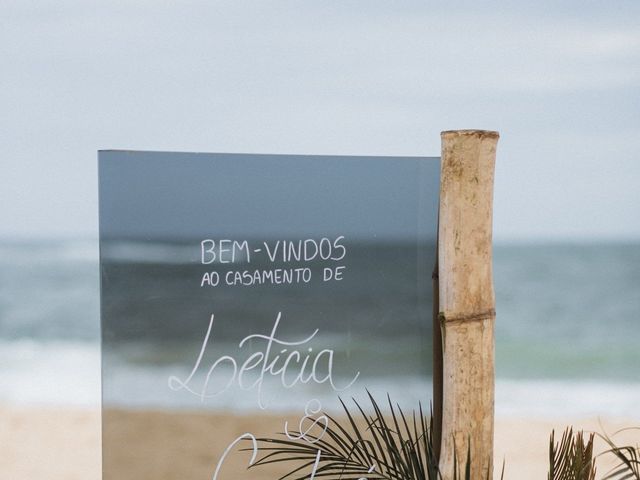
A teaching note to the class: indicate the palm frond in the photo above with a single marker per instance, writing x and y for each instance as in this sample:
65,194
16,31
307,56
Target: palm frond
571,458
628,467
374,443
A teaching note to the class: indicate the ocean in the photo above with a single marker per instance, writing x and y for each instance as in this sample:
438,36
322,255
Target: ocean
567,331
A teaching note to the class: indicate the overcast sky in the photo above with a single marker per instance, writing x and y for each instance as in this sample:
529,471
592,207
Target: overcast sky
559,80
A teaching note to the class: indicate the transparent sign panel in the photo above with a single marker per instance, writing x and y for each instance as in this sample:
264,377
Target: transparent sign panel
244,296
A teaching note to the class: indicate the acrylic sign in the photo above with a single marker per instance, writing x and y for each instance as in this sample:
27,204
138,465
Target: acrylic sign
244,297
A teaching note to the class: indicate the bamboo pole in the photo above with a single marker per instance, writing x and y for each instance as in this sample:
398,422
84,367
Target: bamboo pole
467,300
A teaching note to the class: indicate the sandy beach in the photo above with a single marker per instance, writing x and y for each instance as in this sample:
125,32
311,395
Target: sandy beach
64,444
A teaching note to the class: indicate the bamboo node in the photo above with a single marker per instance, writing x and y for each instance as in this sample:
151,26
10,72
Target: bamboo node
489,314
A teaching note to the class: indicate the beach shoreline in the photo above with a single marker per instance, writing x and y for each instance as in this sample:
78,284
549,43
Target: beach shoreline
64,443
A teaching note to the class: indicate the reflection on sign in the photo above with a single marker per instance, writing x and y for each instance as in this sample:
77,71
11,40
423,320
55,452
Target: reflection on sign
245,296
